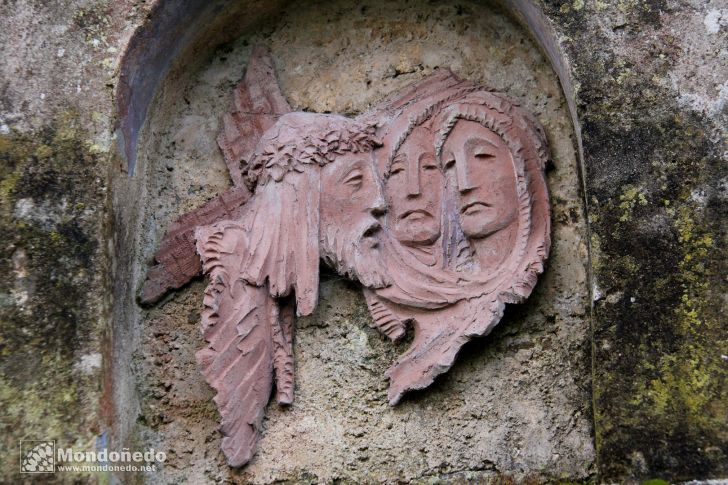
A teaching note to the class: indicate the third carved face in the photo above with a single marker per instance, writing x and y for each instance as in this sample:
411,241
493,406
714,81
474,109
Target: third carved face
479,165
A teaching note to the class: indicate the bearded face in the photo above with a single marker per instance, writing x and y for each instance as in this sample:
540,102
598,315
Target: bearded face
351,205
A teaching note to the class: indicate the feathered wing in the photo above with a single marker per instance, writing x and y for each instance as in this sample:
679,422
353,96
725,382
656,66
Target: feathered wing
257,103
283,364
255,264
238,322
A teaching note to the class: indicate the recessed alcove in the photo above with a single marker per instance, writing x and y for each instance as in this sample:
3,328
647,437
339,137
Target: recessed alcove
516,403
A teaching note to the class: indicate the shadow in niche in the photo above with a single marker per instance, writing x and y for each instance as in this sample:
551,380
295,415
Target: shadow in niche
187,29
329,275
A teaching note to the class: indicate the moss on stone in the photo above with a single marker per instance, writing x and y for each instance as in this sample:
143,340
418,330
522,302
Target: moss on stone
694,375
49,260
660,383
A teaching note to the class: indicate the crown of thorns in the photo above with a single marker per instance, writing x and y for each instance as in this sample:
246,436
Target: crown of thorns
274,158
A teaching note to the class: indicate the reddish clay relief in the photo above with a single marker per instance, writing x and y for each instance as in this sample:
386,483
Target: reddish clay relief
435,201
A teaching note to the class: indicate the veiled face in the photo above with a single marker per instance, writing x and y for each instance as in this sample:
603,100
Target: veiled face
414,191
480,165
351,205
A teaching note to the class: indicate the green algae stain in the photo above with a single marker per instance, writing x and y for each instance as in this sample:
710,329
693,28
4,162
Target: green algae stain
661,268
6,187
630,264
55,237
50,257
43,152
12,157
689,382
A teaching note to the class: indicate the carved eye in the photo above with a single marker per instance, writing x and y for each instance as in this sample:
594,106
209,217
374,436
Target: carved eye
485,156
449,163
398,165
396,169
483,152
354,179
428,164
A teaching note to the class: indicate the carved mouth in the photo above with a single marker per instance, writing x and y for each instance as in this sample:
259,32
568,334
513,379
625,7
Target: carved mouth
415,214
473,207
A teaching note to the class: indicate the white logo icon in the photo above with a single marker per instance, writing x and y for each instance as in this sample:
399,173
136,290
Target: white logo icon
37,456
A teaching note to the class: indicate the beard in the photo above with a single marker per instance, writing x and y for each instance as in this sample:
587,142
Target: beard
355,253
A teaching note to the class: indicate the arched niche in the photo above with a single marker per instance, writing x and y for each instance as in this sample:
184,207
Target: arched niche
516,402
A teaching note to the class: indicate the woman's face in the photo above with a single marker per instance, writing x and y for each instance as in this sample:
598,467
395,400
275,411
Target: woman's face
480,165
414,191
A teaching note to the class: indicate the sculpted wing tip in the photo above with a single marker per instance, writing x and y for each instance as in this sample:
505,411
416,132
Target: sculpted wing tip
383,319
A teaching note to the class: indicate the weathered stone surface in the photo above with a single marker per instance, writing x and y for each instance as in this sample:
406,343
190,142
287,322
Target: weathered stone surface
54,168
51,255
654,118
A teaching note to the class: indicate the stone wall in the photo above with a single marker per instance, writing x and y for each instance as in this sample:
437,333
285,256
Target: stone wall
654,117
638,187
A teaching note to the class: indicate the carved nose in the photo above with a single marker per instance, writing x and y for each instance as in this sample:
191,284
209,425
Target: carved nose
465,179
413,176
413,189
379,207
379,210
413,183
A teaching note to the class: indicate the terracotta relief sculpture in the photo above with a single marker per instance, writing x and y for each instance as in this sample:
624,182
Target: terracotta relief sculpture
494,227
435,201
